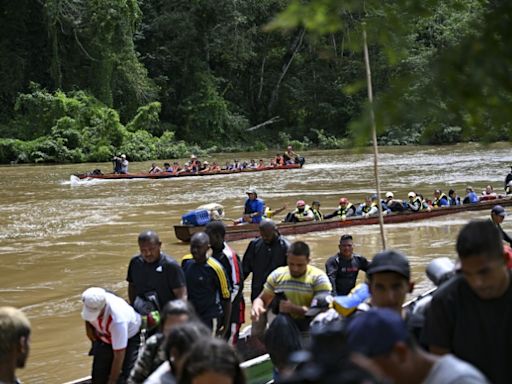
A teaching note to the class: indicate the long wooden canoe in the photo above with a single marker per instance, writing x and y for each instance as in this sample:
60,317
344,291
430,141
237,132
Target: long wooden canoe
168,175
257,371
239,232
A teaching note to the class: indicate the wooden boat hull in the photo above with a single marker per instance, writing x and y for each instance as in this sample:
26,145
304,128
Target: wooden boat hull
240,232
169,175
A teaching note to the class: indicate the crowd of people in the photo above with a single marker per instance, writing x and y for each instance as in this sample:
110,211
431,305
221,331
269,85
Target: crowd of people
194,165
255,209
182,318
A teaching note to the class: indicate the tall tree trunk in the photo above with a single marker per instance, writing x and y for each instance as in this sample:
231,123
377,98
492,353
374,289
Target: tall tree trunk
374,137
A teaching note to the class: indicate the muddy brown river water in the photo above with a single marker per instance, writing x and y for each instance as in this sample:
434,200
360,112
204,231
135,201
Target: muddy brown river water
59,238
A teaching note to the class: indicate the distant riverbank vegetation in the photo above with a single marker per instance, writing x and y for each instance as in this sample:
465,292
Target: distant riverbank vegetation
84,80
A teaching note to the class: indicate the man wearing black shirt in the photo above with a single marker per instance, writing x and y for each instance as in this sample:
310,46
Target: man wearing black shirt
225,255
262,256
470,315
343,267
154,278
207,285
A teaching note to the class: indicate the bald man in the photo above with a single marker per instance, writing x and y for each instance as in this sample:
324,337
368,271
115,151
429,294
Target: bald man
154,278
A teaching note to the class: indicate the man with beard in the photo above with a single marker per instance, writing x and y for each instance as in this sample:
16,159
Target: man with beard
298,283
14,343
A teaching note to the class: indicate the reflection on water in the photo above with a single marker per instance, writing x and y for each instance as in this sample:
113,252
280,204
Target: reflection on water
56,239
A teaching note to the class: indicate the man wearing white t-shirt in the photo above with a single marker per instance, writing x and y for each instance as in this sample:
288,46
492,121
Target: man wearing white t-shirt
113,326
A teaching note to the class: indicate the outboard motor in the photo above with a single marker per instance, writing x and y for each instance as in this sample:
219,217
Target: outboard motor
440,270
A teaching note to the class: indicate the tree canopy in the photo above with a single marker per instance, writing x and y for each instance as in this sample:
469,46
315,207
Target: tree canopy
85,79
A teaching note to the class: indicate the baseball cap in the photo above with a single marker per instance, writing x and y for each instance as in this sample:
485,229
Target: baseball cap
123,156
499,210
375,332
320,303
390,194
94,301
300,203
411,194
251,190
343,200
390,261
193,157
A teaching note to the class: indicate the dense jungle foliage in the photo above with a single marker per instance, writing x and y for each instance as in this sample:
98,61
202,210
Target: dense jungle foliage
85,79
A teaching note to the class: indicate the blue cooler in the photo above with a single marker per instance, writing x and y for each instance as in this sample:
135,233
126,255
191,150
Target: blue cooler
196,217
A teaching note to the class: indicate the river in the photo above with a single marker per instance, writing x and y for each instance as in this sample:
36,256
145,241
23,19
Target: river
57,239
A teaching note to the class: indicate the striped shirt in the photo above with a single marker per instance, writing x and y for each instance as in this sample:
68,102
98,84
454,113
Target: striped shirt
207,285
299,290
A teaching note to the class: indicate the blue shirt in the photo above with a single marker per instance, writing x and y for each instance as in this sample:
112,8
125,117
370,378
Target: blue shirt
252,206
473,197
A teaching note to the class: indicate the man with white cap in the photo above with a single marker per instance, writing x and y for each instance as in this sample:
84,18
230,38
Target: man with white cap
498,214
414,202
113,326
393,204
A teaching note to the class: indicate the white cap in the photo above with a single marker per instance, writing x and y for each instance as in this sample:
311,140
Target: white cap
123,156
193,157
94,301
411,194
390,194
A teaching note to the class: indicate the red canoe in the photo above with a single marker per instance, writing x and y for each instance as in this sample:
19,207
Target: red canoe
239,232
167,175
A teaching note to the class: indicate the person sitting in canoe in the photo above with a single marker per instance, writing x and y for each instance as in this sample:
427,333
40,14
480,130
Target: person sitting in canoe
471,196
440,199
453,198
236,165
392,204
175,168
261,164
252,164
345,209
254,208
489,193
415,202
279,160
369,207
215,167
195,164
302,212
167,167
205,167
154,169
315,207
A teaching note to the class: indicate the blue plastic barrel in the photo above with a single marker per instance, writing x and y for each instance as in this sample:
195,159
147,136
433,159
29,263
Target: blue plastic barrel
196,217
